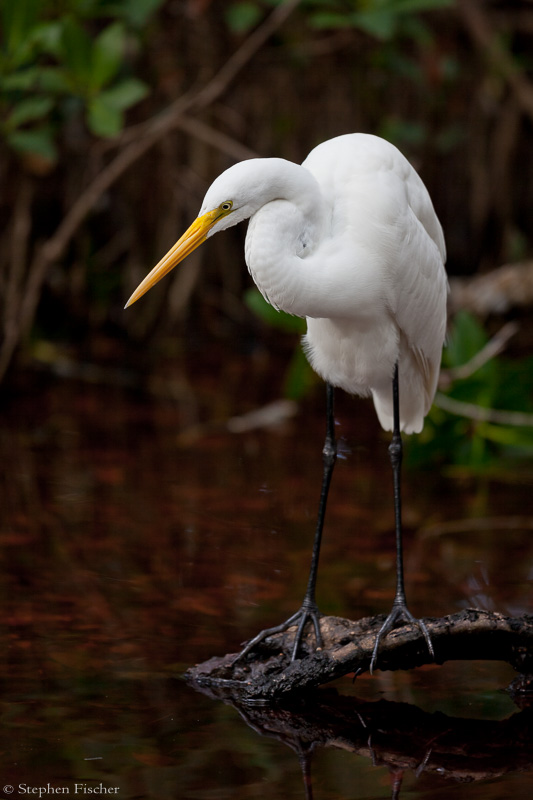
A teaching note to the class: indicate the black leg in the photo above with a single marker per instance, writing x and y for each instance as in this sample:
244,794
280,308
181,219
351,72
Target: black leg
309,609
399,606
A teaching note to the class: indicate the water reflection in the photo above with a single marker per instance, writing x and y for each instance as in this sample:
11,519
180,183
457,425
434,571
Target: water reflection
399,736
130,553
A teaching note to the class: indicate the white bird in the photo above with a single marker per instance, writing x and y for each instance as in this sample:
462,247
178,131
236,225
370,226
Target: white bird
350,241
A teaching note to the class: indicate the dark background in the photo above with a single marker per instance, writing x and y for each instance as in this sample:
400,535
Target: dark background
86,209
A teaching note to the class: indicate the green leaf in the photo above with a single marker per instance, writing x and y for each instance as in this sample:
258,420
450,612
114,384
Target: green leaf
508,436
242,17
105,111
125,94
20,81
29,110
515,384
381,24
277,319
77,46
299,377
107,54
417,6
18,18
38,141
47,37
327,19
378,18
102,119
54,80
135,12
467,338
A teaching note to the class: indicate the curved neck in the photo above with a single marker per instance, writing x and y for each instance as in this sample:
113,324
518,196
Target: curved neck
283,236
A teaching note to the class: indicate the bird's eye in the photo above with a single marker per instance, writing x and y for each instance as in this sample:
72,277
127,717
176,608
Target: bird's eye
226,206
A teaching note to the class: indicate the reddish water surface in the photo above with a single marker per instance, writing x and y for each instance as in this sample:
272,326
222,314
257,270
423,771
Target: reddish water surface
139,536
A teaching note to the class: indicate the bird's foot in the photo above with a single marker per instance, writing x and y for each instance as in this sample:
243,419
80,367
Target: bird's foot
399,612
307,613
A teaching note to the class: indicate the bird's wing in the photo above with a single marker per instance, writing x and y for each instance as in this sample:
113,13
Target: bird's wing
421,288
415,283
394,246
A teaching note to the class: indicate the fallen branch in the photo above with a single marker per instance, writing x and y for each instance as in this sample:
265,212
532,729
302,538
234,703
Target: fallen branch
481,413
508,286
493,348
267,674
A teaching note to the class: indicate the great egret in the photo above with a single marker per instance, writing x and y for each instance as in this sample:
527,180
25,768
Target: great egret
350,240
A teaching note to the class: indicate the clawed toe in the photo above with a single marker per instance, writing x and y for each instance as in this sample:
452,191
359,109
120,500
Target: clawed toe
399,612
302,617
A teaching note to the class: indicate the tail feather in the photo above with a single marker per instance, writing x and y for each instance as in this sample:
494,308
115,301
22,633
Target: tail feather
417,385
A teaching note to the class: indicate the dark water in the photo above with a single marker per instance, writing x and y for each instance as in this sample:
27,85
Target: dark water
138,536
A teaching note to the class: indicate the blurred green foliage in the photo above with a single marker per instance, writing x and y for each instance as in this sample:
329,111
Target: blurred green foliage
394,24
500,384
58,66
382,19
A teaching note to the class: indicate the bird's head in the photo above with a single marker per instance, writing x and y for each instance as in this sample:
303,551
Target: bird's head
233,197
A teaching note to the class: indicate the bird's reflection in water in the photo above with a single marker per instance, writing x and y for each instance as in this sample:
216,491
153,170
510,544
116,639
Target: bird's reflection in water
399,736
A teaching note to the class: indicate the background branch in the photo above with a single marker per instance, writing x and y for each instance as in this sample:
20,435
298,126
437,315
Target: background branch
144,137
478,26
481,413
508,286
493,347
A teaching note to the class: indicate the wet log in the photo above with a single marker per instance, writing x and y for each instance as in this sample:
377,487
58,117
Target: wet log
267,673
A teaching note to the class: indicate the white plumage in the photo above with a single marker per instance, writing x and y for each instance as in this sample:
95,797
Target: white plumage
349,240
394,279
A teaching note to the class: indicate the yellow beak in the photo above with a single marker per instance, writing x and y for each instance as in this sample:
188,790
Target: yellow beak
191,239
